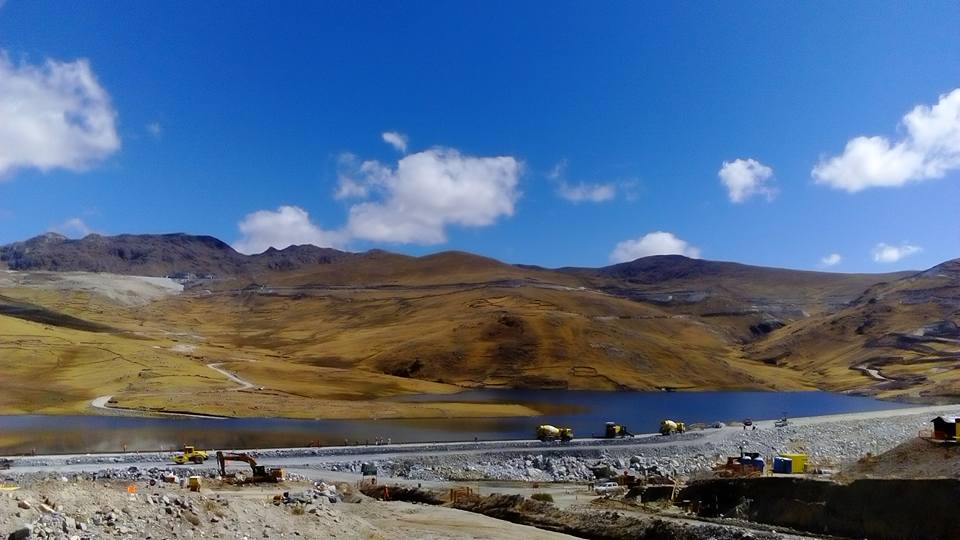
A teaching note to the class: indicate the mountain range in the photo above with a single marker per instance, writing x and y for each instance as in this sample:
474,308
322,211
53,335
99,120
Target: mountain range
300,317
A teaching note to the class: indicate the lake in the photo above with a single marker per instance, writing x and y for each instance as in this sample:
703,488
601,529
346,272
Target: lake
584,411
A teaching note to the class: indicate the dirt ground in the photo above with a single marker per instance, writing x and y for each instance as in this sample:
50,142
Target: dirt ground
915,458
97,509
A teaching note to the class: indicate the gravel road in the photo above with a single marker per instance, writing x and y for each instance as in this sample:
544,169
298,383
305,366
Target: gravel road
829,440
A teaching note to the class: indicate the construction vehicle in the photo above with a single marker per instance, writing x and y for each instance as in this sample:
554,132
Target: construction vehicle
546,432
669,427
746,464
190,455
259,472
614,430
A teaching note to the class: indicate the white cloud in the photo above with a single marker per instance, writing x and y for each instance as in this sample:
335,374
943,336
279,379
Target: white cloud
929,149
832,259
155,129
885,253
744,178
586,192
280,228
356,179
655,243
73,227
429,191
53,116
582,191
397,140
412,203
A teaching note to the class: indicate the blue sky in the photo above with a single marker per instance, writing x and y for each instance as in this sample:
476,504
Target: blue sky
263,124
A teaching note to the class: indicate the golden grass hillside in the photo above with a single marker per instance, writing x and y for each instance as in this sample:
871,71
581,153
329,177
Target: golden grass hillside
344,337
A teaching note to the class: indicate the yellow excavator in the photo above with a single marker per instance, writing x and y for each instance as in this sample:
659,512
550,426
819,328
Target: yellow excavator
259,472
190,455
546,432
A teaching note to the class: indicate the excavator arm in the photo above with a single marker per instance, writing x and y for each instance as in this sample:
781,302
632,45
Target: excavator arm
224,457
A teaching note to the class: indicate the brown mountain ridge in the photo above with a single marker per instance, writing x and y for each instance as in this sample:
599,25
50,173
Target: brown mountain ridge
309,324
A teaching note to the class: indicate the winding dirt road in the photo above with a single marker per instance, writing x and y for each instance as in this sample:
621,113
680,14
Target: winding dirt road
103,402
244,384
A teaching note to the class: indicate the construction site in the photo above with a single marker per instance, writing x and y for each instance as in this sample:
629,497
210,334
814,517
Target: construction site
866,475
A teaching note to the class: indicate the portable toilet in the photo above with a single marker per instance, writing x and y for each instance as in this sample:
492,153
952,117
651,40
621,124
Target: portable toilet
797,462
782,465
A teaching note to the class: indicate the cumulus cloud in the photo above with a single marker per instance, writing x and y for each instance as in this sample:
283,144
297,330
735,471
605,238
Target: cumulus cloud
397,140
655,243
745,178
832,259
430,190
885,253
929,148
280,228
412,203
581,191
586,192
73,227
54,115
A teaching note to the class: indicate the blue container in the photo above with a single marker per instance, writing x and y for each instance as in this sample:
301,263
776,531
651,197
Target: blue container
782,465
759,463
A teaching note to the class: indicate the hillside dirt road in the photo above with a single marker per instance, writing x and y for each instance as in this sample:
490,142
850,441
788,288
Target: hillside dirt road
103,402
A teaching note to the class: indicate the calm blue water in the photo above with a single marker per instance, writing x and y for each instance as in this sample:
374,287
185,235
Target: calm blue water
585,411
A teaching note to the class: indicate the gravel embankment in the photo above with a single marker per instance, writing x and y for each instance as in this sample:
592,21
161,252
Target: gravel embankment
829,441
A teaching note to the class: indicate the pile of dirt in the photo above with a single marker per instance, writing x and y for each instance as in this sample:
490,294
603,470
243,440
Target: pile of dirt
93,509
916,458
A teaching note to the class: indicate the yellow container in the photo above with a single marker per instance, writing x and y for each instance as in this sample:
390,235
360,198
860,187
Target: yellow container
798,462
194,483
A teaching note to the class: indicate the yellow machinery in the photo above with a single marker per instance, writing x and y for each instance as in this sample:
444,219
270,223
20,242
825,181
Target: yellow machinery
260,473
668,427
190,455
614,430
546,432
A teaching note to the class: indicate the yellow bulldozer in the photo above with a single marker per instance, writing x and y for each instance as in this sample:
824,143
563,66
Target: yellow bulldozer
669,427
546,432
190,455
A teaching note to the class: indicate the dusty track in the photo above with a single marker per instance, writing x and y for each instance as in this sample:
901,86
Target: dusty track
244,384
103,402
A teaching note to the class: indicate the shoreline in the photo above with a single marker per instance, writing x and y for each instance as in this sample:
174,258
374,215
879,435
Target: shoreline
99,406
646,440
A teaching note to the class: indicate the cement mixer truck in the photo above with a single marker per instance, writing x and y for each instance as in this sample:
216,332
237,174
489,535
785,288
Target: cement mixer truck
669,427
546,432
